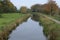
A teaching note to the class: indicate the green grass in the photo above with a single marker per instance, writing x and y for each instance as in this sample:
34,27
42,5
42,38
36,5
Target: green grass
9,21
57,17
50,28
8,18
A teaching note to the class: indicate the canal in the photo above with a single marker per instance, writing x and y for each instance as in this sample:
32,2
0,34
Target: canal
29,30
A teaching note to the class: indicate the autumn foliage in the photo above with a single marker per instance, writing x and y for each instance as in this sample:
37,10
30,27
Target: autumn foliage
23,9
50,8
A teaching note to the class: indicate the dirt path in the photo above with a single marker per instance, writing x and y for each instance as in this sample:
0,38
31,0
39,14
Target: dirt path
51,19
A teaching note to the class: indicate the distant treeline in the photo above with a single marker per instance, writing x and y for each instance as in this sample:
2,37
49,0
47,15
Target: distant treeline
49,8
7,7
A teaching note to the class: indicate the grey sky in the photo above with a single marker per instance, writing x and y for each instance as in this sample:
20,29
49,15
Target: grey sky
29,3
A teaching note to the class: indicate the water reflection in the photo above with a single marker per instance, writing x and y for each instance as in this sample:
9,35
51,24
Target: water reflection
30,30
35,17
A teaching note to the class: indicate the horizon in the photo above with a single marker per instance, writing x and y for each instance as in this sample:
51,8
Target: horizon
29,3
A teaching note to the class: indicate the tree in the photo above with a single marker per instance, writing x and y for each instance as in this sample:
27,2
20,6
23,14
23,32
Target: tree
49,8
35,8
7,6
53,7
23,9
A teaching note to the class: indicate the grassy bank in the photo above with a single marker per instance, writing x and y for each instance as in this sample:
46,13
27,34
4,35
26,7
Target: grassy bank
8,22
51,29
8,18
56,17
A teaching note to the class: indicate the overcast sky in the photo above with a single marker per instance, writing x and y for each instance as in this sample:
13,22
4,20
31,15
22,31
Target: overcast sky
29,3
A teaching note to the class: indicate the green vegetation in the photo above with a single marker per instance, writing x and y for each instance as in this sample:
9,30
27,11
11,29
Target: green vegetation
10,21
51,29
55,17
23,9
49,8
10,17
6,6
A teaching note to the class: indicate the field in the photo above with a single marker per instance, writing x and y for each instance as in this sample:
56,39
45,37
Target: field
8,18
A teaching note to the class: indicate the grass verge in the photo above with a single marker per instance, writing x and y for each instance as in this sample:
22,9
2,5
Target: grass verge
57,17
8,22
51,29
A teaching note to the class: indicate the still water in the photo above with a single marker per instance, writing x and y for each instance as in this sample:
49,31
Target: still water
29,30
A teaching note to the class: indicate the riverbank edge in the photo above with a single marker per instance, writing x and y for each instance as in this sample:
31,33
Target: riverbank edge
8,28
51,28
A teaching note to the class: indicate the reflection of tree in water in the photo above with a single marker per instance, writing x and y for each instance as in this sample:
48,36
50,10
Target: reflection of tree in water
35,17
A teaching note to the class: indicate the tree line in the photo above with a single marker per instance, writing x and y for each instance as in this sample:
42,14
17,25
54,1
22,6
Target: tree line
49,8
6,6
